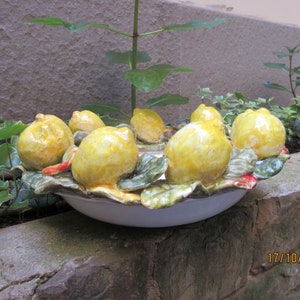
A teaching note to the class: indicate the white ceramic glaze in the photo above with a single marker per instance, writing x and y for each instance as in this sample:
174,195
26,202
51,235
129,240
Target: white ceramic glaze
188,211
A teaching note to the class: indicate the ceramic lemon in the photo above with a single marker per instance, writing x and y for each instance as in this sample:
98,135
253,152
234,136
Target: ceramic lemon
148,125
205,113
198,151
104,156
44,142
259,130
85,121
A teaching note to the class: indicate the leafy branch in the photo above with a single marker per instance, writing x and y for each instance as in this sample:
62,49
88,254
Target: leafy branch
293,72
143,79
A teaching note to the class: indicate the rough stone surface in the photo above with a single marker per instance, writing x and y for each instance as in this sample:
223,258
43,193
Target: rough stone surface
230,256
54,71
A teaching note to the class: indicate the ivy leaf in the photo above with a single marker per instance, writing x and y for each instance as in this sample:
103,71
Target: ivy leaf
275,86
152,77
167,99
114,57
195,24
10,128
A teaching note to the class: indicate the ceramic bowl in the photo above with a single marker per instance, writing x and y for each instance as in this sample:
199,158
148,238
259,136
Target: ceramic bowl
187,211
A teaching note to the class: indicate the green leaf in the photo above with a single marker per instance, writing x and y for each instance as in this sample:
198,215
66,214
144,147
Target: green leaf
102,108
49,21
151,78
167,99
10,128
4,185
282,54
5,151
114,57
240,95
277,66
275,86
20,206
165,195
297,81
195,24
4,196
149,169
79,25
242,161
270,166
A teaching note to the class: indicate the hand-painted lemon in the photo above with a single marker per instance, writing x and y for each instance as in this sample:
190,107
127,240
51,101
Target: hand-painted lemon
205,113
44,142
259,130
104,156
198,151
85,121
148,125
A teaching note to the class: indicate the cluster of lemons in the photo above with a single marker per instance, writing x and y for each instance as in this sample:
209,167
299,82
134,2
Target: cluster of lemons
198,151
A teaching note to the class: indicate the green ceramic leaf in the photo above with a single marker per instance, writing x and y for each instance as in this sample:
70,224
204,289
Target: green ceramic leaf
114,57
149,169
152,77
42,184
242,161
195,24
165,195
167,99
270,166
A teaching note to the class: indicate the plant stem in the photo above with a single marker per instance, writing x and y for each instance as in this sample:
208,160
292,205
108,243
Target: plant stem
291,76
134,50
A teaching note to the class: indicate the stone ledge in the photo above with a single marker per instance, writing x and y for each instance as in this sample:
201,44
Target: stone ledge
71,256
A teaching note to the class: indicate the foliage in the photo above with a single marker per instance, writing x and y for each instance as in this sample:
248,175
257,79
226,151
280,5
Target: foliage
232,104
292,71
14,197
144,79
290,115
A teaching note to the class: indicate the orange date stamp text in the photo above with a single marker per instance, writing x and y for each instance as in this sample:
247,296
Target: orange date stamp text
281,257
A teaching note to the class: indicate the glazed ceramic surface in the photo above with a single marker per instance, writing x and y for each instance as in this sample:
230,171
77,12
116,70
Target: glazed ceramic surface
188,211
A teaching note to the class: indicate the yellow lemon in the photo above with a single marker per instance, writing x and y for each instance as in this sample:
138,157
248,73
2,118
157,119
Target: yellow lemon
104,156
44,142
148,125
205,113
198,151
85,121
259,130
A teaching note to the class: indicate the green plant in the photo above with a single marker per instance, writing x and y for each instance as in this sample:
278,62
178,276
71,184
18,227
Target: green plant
14,196
144,79
290,115
232,104
292,71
